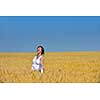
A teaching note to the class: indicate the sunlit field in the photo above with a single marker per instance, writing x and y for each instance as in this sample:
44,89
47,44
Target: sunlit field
64,67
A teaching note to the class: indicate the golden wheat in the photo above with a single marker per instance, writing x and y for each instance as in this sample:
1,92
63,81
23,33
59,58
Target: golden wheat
71,67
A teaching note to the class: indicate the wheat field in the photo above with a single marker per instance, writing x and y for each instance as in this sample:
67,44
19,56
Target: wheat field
60,67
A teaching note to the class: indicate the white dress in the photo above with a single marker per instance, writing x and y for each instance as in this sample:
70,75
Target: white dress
37,64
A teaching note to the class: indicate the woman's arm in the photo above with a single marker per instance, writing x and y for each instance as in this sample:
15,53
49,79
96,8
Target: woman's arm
42,61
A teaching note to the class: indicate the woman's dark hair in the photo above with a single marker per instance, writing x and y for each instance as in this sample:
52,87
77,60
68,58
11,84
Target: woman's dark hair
42,49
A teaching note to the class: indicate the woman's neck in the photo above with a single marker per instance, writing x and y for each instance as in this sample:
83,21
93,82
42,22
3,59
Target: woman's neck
38,55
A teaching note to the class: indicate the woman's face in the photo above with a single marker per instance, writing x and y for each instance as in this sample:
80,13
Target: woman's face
39,50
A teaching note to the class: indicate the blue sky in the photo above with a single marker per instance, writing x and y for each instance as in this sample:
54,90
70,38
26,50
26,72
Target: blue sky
56,34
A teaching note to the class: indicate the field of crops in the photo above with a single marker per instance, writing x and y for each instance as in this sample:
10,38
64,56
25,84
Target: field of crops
64,67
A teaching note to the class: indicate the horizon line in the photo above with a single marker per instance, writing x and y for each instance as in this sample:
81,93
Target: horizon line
50,51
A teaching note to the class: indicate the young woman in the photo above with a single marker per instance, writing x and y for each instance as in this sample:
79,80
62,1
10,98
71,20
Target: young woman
38,60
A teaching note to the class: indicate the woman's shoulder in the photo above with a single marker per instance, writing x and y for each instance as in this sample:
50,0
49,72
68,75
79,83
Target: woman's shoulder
41,56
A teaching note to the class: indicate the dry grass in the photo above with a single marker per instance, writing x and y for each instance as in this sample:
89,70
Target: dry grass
59,67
